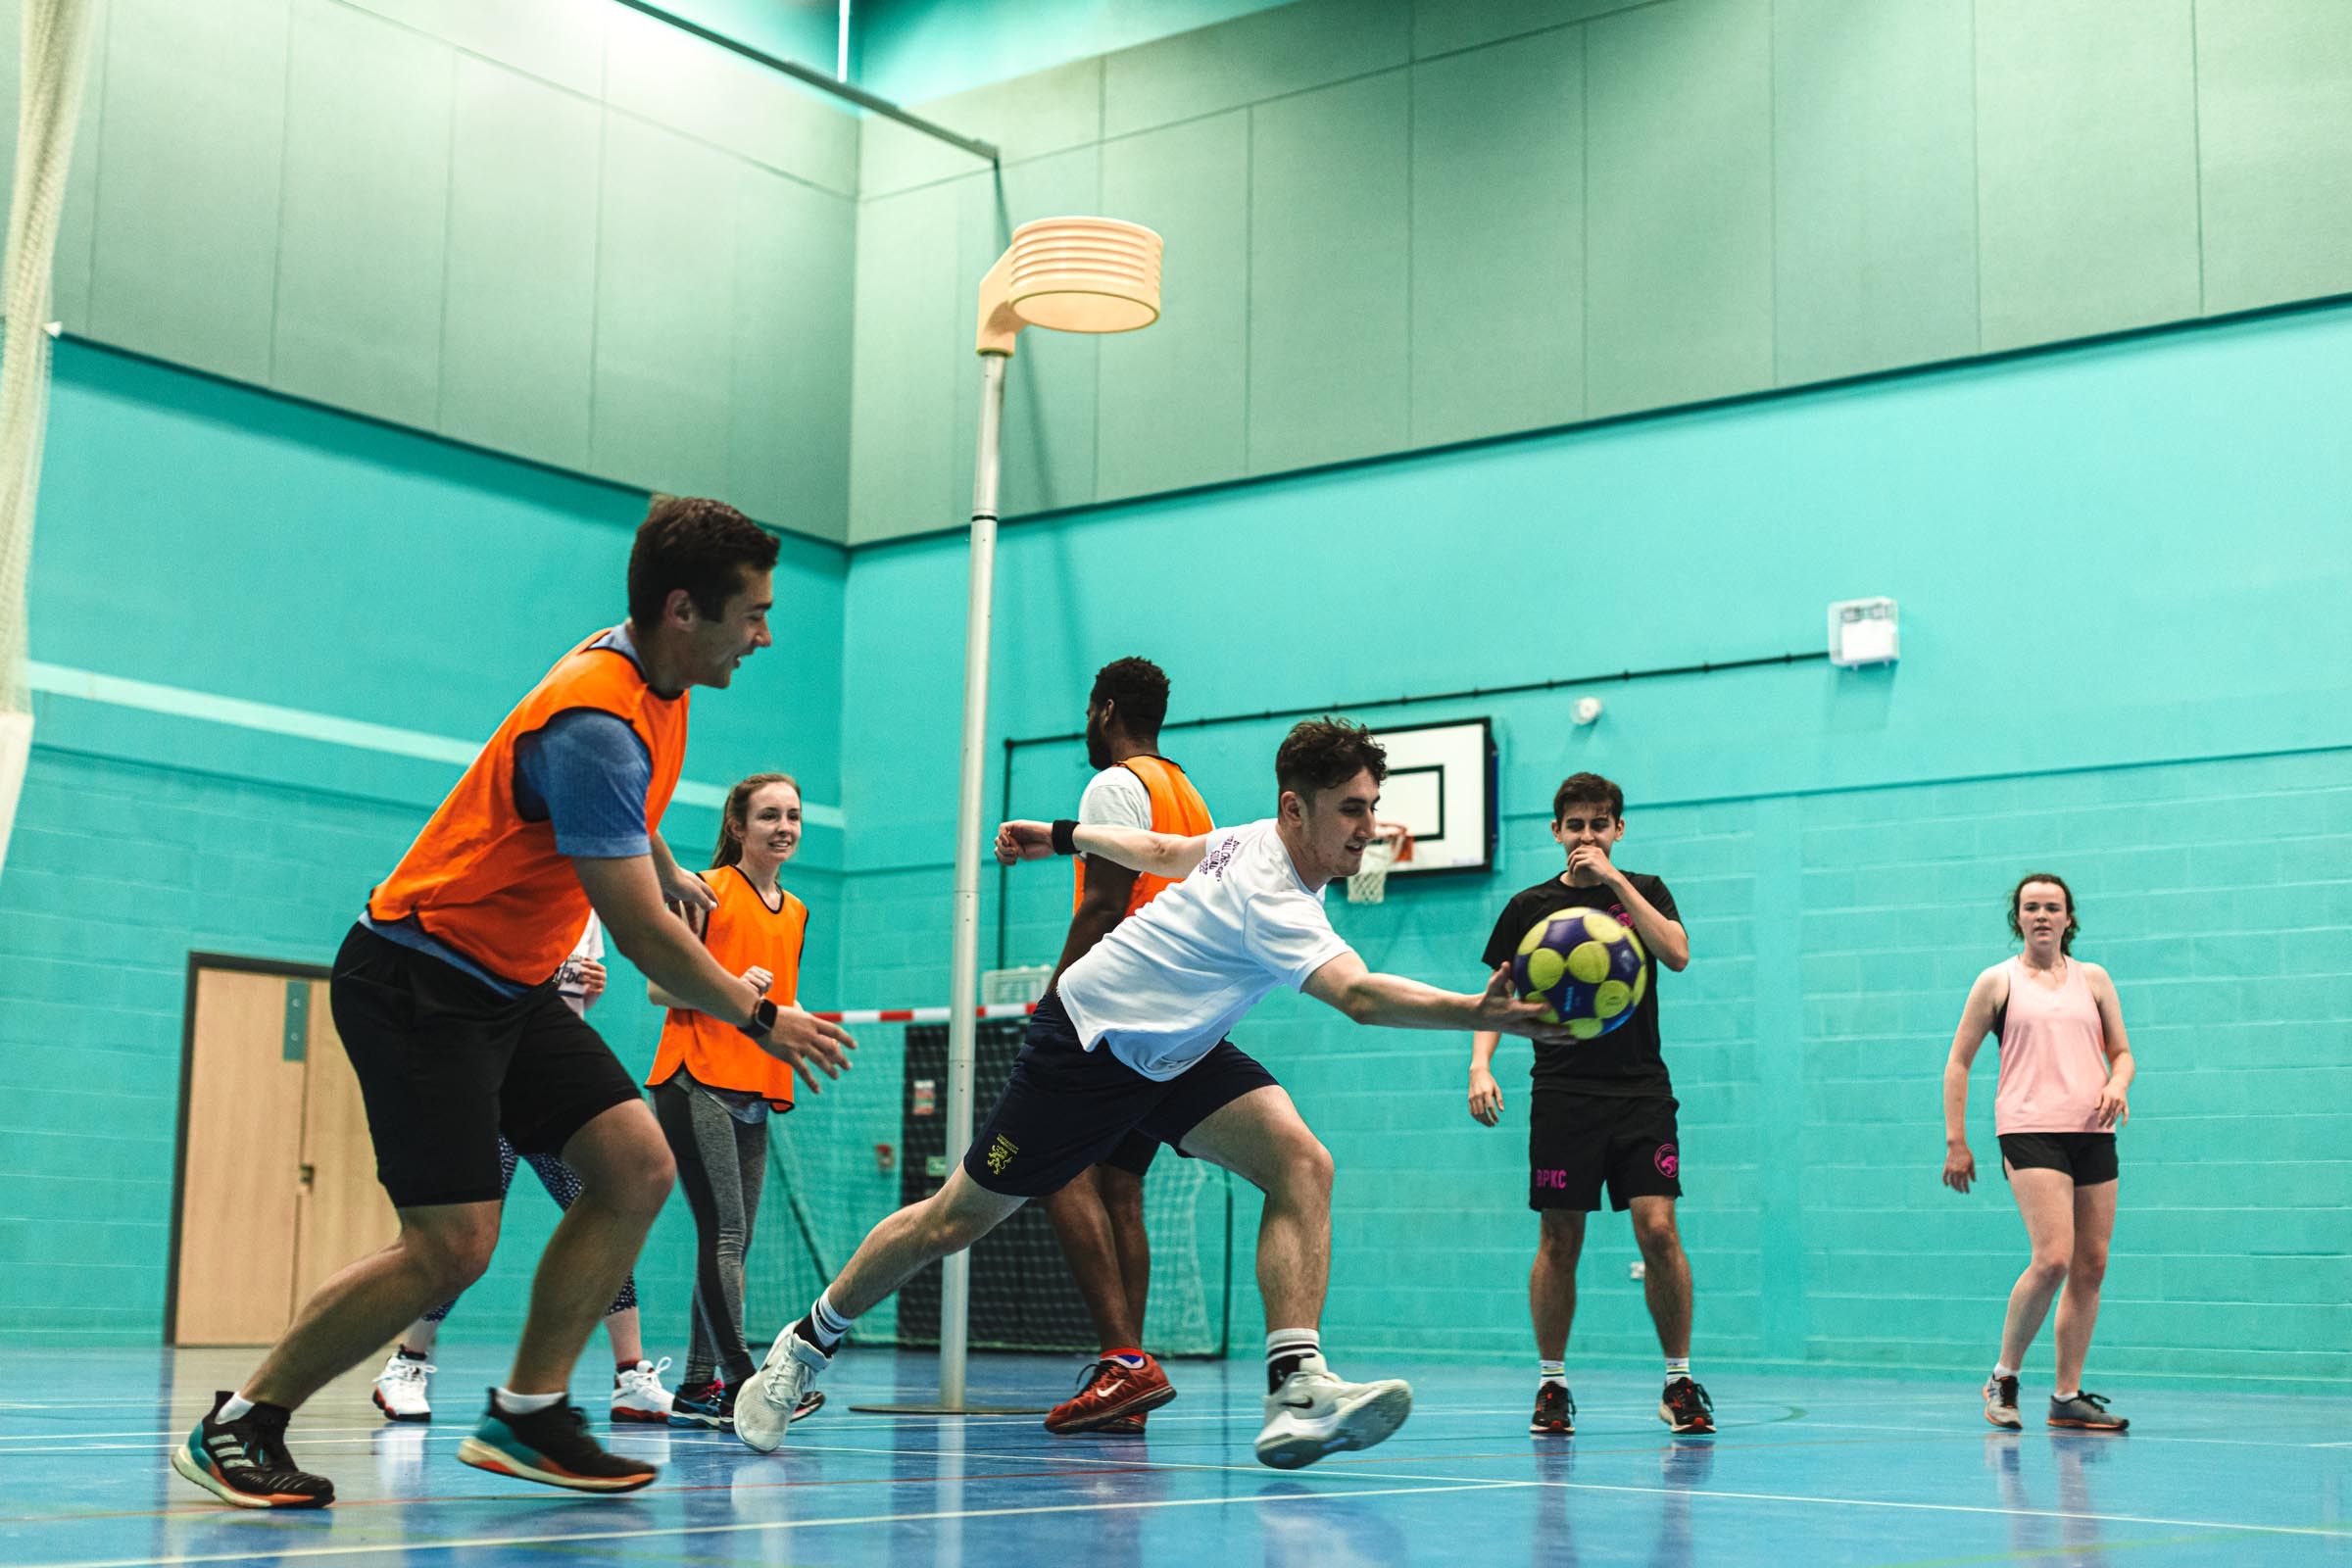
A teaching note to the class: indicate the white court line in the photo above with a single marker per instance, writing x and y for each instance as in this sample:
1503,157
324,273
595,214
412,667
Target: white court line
750,1527
2061,1514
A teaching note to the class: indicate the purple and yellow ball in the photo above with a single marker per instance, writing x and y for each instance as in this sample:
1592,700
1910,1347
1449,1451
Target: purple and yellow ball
1587,967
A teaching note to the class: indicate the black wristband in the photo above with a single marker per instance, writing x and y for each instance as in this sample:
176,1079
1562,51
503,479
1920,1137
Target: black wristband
1066,837
762,1020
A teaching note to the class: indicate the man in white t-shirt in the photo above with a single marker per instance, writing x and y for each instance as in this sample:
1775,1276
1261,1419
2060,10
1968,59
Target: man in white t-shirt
1134,1039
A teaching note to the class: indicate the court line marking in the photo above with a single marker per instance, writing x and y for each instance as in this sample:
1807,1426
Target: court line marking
2320,1531
764,1526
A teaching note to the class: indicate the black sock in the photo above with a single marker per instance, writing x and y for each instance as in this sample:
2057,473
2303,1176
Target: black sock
808,1330
1285,1350
406,1354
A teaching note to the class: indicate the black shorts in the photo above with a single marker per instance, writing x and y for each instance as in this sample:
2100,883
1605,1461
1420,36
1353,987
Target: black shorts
1577,1143
1135,1154
1065,1108
2088,1157
445,1065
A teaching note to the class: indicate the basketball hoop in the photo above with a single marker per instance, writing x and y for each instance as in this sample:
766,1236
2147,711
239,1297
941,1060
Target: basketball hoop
1370,883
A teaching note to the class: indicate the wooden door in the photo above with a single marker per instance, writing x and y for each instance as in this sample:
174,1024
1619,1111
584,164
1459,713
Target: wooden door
344,1212
239,1196
277,1175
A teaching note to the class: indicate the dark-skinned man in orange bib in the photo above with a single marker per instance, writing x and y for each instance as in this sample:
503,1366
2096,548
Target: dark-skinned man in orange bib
1099,1217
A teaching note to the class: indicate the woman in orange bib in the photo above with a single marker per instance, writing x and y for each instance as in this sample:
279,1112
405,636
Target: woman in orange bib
713,1089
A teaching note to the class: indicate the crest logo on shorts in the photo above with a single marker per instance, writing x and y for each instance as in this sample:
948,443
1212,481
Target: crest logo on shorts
1667,1160
999,1155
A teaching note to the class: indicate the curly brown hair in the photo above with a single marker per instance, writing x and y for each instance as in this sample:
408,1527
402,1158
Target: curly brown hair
2066,938
1321,753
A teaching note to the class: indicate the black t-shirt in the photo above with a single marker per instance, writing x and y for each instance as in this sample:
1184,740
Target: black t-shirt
1625,1061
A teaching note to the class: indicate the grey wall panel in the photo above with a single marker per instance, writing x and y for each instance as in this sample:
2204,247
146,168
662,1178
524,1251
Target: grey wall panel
788,448
363,219
1441,26
1029,117
1251,59
520,319
558,41
912,338
1678,208
1498,245
191,145
675,79
2087,167
1329,273
1875,180
664,304
1174,396
2275,146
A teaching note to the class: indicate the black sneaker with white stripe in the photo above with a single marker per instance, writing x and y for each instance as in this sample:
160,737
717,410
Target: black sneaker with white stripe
245,1463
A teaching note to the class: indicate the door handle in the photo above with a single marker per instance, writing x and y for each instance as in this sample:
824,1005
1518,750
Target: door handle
308,1172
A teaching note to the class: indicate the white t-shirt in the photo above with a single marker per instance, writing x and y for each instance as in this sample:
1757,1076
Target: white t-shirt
1115,798
1171,980
591,949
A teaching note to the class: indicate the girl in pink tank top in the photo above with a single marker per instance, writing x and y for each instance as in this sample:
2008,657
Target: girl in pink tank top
2066,1071
2053,1057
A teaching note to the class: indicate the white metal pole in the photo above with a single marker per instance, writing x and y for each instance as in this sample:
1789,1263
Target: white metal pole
963,978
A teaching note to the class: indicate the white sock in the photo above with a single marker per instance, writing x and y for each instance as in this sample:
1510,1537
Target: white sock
1554,1372
2071,1394
2000,1371
1677,1369
1285,1348
525,1403
235,1407
831,1326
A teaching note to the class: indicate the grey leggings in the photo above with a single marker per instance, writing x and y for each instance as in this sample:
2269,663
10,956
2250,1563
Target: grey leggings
721,1164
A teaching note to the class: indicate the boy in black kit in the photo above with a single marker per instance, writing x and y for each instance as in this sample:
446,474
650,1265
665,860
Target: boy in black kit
1603,1113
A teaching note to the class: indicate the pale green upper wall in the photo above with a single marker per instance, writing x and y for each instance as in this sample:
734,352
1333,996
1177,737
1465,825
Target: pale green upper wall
1399,223
555,228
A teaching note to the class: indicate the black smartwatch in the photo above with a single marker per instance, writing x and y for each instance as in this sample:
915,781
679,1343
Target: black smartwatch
762,1019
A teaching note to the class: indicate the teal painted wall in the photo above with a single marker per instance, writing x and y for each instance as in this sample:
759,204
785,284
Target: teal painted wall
1396,224
2120,571
233,547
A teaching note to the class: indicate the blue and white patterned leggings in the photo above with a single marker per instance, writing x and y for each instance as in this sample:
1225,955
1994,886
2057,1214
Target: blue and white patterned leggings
562,1184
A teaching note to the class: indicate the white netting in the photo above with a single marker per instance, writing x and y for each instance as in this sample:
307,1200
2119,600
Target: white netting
1370,883
55,38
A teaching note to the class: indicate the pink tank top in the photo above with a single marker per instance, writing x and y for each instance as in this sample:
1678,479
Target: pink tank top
2053,1057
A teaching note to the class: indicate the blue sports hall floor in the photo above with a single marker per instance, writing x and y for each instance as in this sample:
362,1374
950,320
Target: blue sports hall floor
1806,1469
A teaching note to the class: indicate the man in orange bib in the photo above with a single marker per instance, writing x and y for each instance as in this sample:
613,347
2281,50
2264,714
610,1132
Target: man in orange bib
445,996
1099,1217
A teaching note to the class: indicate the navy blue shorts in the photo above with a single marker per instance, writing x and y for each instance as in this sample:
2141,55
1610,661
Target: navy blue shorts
1066,1108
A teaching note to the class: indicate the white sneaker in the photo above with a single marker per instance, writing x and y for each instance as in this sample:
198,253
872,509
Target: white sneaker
400,1390
638,1395
770,1397
1313,1413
